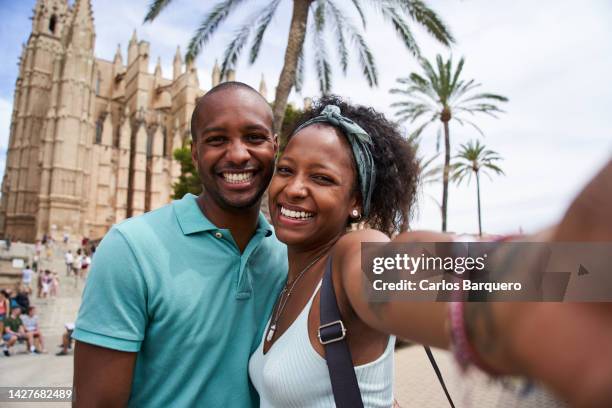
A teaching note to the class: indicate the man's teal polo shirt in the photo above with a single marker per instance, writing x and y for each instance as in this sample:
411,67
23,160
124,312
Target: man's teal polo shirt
175,288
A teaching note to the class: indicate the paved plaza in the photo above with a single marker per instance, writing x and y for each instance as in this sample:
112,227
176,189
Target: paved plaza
416,385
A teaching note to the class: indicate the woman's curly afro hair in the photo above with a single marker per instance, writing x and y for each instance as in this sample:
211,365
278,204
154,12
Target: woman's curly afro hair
396,166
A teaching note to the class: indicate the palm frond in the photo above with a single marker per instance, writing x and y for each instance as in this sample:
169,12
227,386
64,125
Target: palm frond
459,172
432,81
401,28
485,96
155,8
493,167
461,89
429,173
262,24
463,121
339,29
366,58
319,16
322,67
429,19
357,4
458,70
209,25
234,48
419,130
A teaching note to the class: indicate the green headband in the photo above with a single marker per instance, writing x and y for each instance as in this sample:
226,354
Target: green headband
360,143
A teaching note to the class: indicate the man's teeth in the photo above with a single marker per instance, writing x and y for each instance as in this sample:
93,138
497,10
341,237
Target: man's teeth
298,215
236,178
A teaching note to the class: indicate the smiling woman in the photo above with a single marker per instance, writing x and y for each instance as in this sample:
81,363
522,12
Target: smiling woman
341,164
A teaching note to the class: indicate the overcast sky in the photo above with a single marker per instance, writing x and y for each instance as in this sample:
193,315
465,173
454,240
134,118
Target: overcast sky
551,58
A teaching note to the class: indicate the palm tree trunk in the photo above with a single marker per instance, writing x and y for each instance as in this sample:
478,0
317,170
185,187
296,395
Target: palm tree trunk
295,42
478,196
445,176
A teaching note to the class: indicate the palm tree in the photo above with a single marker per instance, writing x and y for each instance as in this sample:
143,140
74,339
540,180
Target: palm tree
316,17
473,158
441,95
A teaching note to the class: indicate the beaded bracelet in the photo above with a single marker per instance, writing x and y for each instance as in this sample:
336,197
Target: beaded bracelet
462,349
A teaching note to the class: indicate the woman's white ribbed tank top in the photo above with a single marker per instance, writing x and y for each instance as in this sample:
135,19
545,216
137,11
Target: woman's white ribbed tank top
293,374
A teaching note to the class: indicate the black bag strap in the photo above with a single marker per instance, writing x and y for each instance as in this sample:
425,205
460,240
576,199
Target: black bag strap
332,334
432,360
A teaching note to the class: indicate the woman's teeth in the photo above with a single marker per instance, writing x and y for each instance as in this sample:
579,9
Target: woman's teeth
235,178
298,215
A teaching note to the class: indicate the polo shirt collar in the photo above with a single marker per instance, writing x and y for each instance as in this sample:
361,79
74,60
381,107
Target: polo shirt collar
191,219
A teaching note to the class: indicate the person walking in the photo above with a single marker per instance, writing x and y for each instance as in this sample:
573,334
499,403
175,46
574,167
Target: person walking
68,260
26,276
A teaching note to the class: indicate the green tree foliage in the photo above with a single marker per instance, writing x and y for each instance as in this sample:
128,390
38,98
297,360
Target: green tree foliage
292,114
188,181
441,95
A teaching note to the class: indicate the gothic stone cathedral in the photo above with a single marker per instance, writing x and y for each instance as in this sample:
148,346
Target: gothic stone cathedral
91,140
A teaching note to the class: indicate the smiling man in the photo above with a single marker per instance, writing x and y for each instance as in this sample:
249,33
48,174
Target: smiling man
177,298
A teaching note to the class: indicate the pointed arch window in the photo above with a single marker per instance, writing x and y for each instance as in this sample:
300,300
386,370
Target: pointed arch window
165,133
99,129
52,23
98,83
150,143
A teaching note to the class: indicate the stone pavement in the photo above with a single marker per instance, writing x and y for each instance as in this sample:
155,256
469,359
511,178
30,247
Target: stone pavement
45,370
416,385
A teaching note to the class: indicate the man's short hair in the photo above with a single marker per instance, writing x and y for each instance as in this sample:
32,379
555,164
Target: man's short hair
223,86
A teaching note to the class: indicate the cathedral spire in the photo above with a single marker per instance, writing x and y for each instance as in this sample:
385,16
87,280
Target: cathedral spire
178,63
216,74
82,11
177,55
118,57
82,27
263,88
158,70
132,48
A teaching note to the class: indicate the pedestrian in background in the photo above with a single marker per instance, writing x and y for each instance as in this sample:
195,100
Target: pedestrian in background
68,259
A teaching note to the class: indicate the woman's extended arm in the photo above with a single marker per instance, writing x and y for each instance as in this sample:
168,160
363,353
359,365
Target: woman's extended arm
568,346
421,322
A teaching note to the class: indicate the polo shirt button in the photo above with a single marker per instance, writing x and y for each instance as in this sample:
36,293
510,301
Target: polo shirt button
218,234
